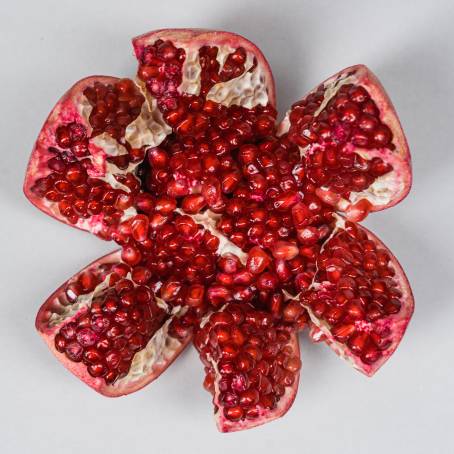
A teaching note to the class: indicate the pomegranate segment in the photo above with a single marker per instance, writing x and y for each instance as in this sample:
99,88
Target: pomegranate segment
355,152
360,301
252,366
222,67
114,335
222,216
81,170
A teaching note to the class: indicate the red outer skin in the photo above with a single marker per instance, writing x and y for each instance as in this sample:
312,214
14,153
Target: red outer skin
365,77
400,320
224,425
65,110
195,38
79,369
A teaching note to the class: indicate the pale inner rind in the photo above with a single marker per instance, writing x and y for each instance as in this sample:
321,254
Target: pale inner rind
191,74
69,310
247,90
149,128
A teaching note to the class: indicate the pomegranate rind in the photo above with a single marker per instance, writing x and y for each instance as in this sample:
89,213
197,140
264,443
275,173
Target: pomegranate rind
265,416
155,364
193,39
68,109
393,187
397,323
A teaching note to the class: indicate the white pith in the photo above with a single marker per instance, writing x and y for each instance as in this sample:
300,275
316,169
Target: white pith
191,70
149,128
69,310
247,90
158,352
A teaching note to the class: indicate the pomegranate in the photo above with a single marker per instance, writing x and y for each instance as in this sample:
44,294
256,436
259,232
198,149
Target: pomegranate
235,231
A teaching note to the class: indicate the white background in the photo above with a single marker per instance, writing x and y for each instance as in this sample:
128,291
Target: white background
407,407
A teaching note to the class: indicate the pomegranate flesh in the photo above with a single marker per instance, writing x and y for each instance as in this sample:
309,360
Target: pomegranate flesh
235,230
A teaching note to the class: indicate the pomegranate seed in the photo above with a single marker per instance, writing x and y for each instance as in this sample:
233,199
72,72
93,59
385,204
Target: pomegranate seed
284,250
257,260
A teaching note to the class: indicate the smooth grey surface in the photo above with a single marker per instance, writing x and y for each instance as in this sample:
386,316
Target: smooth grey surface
46,45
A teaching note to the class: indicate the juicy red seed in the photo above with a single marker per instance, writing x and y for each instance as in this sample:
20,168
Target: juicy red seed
292,311
285,250
69,331
131,255
96,370
92,355
193,203
244,362
239,383
268,401
86,337
343,332
60,343
74,351
357,342
249,397
233,413
292,364
257,260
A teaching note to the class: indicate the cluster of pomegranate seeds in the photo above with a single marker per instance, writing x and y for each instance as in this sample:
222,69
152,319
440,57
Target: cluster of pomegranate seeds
78,195
115,106
226,221
359,292
201,155
350,120
118,324
73,137
160,68
171,246
254,357
211,72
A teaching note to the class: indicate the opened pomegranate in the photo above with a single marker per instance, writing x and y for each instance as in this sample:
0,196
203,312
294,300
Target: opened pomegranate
235,231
